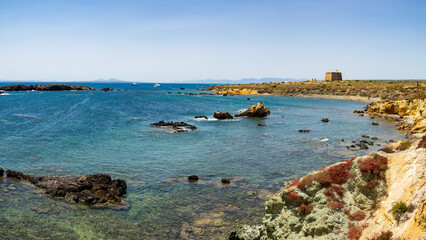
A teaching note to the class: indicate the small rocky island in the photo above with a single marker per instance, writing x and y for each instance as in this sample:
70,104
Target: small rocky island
258,110
46,87
176,127
96,189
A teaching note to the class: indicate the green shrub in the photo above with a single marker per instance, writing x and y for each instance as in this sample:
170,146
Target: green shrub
404,145
398,209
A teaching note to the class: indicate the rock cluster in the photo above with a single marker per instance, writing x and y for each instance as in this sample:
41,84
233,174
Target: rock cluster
258,110
410,114
45,87
89,189
175,126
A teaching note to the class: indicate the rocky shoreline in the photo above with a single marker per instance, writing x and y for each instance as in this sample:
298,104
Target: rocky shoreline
352,199
93,190
46,87
357,198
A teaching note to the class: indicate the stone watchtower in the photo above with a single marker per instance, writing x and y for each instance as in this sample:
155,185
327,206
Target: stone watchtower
333,76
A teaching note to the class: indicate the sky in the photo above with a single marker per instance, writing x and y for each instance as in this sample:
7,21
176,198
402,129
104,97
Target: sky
180,40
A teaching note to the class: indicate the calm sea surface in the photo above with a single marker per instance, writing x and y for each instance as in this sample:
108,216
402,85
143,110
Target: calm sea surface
75,133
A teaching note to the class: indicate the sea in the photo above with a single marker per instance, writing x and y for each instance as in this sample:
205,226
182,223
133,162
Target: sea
72,133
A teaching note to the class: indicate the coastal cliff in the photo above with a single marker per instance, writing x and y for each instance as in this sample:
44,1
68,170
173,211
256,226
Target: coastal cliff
381,195
411,114
352,199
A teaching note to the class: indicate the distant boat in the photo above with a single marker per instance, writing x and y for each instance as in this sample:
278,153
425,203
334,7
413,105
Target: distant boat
157,85
135,84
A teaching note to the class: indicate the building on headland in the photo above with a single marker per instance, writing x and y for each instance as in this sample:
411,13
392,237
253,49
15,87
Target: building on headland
333,76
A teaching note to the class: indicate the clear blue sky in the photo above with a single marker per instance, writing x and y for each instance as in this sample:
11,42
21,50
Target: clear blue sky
176,40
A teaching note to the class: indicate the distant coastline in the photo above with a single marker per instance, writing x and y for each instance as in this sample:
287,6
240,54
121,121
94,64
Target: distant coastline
354,90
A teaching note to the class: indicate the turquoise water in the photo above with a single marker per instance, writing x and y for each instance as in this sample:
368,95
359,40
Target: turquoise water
108,132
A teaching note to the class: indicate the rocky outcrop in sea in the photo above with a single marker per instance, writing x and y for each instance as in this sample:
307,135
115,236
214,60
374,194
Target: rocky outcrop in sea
175,127
46,87
96,189
222,115
258,110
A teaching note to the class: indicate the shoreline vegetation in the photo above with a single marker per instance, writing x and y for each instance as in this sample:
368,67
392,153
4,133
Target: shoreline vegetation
356,90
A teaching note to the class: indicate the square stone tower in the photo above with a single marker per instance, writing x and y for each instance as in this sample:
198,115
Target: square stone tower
333,76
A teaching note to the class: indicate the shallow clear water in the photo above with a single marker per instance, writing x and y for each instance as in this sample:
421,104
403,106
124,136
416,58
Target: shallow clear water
108,132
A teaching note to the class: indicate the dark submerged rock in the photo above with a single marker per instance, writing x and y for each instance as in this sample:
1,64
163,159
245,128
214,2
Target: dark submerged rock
193,178
261,125
365,136
175,126
1,172
325,120
205,117
46,87
106,89
88,189
222,115
304,130
225,181
375,123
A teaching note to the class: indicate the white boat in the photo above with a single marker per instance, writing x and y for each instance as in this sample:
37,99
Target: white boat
135,84
157,85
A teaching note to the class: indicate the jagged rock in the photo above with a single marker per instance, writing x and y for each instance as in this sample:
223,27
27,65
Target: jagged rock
222,115
88,189
45,87
325,120
193,178
175,126
205,117
420,127
258,110
106,89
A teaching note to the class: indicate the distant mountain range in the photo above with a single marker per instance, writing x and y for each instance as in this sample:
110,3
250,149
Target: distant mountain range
111,80
206,81
245,80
